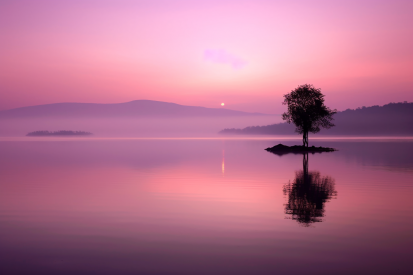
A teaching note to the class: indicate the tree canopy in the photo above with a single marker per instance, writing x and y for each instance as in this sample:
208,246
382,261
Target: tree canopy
307,111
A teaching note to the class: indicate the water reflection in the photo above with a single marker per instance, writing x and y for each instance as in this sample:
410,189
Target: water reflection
165,207
223,162
307,195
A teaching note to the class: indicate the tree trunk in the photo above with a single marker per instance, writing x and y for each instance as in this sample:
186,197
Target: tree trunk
305,139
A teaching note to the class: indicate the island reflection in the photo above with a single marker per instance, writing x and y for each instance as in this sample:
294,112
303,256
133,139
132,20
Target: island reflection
307,195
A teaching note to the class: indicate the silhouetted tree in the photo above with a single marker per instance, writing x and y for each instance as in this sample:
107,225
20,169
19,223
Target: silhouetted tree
307,111
307,195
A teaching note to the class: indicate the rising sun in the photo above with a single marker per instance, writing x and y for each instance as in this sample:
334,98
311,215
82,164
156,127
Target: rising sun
222,104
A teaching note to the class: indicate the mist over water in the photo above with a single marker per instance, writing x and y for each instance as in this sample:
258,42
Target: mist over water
134,127
204,206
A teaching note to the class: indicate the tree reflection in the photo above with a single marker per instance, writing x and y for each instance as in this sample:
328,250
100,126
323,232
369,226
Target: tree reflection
307,194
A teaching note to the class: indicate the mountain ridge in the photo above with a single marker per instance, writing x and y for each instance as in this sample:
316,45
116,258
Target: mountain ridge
135,108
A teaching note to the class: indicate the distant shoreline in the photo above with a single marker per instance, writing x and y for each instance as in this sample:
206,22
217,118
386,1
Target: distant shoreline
58,133
393,119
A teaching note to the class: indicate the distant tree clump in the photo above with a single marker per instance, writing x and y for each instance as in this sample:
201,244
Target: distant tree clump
59,133
307,111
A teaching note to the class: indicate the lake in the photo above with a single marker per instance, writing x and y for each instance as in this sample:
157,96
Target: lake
205,206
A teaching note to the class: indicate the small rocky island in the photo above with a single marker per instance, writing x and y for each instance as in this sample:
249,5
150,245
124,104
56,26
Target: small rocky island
282,149
58,133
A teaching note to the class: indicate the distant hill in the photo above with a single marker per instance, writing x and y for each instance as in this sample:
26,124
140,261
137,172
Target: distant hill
58,133
137,108
394,119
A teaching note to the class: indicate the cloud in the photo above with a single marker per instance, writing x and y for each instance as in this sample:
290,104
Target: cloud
223,57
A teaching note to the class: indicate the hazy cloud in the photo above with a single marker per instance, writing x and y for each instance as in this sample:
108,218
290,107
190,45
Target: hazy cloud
223,57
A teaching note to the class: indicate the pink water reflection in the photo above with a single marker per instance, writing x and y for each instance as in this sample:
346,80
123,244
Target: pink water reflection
168,207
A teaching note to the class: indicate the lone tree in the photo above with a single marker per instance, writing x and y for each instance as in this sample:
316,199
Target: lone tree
307,111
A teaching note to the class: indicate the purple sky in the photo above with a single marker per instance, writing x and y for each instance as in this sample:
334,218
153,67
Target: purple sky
246,54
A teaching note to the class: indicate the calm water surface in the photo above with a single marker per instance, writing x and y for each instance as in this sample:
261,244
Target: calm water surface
205,206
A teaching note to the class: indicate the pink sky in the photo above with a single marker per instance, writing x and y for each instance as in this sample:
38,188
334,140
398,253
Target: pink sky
204,52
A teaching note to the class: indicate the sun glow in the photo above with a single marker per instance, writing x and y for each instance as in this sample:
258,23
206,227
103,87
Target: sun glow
222,104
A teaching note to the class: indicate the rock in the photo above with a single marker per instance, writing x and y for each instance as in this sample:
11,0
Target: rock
282,149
